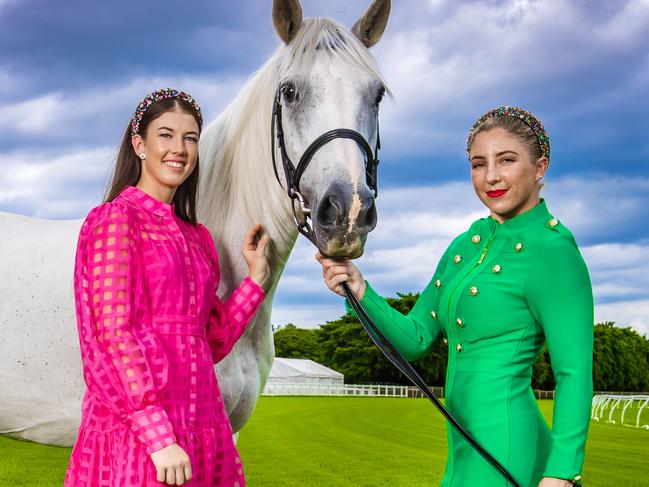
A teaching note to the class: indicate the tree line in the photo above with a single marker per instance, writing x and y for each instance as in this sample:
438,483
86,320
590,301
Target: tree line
620,358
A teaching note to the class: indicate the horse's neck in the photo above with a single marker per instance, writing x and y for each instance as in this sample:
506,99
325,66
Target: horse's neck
239,189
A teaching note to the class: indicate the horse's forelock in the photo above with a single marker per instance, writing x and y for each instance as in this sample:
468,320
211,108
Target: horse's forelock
325,37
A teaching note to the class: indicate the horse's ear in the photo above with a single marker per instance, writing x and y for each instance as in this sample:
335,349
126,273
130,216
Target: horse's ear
369,28
287,18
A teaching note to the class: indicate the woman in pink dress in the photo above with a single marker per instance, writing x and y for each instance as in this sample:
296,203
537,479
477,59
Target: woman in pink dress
150,323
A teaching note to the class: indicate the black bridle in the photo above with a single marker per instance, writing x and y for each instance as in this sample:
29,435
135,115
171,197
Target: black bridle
293,175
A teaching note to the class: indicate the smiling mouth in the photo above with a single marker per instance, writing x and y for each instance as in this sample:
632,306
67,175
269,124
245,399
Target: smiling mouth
496,193
174,164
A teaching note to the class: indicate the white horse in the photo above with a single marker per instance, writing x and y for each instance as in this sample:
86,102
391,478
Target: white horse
327,79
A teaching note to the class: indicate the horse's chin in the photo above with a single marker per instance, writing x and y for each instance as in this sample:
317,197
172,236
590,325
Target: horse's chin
343,248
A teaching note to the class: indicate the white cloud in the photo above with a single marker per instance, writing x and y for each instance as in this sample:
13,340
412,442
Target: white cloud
306,316
626,313
50,185
448,65
83,114
35,115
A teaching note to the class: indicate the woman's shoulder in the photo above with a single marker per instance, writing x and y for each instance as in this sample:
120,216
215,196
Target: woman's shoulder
116,211
477,233
554,234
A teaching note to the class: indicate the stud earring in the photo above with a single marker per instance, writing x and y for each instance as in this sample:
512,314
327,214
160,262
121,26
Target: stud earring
143,156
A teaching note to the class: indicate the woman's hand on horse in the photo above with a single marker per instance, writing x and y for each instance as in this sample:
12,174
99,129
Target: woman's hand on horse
172,465
335,272
254,251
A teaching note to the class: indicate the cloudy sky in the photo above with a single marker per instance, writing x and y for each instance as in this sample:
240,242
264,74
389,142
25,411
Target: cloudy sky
72,72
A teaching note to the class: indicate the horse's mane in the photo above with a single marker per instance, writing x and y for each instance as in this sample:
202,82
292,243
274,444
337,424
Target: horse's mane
235,152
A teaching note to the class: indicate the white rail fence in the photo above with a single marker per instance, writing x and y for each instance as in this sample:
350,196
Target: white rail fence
625,409
375,390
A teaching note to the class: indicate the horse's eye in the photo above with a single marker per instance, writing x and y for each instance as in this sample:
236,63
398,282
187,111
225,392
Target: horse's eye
288,90
379,95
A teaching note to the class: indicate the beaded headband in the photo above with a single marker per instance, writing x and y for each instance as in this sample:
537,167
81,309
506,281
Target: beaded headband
164,94
532,122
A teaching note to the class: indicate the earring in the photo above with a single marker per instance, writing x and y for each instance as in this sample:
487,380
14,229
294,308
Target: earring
143,156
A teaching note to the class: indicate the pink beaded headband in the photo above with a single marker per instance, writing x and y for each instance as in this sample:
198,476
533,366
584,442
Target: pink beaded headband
164,94
523,115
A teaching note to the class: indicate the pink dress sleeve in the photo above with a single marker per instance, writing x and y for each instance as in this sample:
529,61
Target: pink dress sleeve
228,320
125,366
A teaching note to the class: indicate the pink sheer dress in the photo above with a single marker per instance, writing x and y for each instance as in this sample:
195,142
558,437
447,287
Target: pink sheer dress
151,327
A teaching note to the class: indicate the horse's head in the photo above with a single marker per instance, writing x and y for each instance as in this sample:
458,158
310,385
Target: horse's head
328,80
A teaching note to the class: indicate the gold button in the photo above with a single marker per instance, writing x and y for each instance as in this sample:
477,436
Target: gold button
444,340
577,478
458,259
553,222
473,291
496,269
519,247
458,347
460,323
433,315
475,239
438,283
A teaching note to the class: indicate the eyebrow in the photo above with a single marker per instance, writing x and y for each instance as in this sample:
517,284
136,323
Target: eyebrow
501,153
506,152
172,130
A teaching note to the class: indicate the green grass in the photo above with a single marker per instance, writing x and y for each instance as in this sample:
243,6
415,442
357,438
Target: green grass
317,441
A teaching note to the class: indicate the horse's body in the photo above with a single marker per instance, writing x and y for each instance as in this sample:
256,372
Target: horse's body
41,383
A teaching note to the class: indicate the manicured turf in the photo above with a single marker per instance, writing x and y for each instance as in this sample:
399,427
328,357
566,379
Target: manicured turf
318,441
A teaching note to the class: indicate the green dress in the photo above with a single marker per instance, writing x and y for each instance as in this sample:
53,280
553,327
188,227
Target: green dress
499,293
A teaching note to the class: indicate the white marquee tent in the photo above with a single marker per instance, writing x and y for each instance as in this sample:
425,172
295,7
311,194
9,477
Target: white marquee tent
302,371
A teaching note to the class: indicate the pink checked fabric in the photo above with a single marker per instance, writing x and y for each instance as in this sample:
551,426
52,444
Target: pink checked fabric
151,327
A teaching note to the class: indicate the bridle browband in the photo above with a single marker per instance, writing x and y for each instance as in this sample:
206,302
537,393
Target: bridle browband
293,174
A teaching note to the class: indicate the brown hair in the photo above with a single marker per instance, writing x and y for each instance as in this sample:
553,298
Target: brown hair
128,166
515,126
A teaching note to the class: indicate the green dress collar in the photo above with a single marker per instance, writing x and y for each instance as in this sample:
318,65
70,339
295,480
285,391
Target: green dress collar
520,223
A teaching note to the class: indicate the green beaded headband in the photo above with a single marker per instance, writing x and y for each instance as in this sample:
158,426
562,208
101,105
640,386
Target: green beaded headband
523,115
164,94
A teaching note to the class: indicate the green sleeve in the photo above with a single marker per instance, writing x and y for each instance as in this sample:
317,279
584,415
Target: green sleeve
560,297
411,334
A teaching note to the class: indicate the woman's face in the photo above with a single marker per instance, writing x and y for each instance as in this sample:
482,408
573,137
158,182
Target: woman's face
504,176
171,150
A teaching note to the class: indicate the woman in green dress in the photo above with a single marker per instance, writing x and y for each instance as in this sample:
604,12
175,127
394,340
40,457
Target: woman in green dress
514,281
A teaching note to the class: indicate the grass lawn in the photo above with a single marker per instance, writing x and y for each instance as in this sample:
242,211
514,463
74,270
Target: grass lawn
329,441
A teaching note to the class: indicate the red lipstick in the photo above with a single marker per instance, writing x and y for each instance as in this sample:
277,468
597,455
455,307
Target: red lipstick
496,193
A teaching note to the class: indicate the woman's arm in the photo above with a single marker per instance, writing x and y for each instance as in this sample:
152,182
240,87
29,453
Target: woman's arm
228,320
412,334
560,297
125,366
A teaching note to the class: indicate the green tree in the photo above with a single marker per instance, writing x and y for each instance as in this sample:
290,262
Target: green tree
294,342
542,375
620,359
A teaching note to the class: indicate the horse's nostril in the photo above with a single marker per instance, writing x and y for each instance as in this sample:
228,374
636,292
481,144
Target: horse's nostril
371,216
330,211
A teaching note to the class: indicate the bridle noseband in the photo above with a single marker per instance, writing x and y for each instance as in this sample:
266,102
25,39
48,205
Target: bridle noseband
293,174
